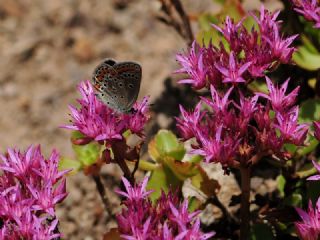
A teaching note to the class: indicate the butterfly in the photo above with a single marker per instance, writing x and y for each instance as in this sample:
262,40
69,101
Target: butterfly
117,84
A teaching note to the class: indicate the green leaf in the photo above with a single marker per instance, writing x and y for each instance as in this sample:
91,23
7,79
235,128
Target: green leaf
261,231
291,148
153,151
233,9
310,110
181,170
147,165
306,171
167,144
281,184
67,163
194,204
86,154
207,33
219,1
307,59
258,86
312,144
294,200
308,44
162,179
195,159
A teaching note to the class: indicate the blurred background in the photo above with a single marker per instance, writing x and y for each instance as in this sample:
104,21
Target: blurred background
48,47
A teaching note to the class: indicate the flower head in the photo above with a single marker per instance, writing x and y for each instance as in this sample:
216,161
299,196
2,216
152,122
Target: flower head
134,193
290,130
279,100
317,167
192,64
317,130
310,9
98,122
167,219
309,227
30,188
233,73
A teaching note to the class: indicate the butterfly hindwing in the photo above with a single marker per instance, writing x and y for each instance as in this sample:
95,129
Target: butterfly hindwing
130,73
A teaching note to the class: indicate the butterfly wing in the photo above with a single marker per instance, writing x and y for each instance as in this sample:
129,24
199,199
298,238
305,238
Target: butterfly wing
129,78
117,84
103,82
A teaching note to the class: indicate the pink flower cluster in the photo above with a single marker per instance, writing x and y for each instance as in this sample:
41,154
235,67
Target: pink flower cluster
167,219
251,54
317,130
229,132
98,122
309,227
237,125
30,187
310,9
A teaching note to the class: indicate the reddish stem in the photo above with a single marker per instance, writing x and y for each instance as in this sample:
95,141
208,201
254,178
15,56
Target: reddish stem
122,153
245,203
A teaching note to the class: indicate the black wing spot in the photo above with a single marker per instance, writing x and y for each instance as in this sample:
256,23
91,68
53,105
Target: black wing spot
122,97
130,85
120,84
109,62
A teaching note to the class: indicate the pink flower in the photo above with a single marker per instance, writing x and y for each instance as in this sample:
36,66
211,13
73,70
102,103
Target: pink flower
166,219
218,103
134,193
309,227
30,188
189,121
290,130
315,177
135,122
233,73
218,149
267,20
182,215
279,100
230,32
280,46
194,233
192,64
310,9
317,130
98,122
